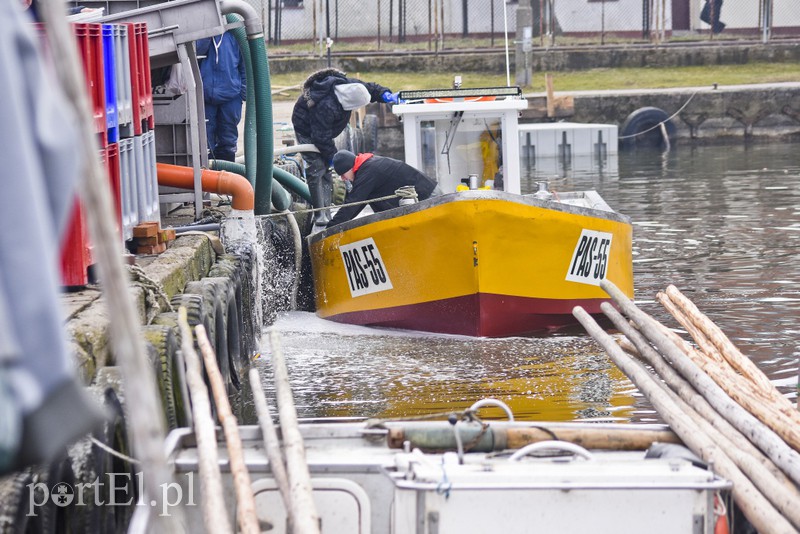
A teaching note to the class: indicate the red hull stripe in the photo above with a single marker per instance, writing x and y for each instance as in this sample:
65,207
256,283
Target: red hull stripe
481,314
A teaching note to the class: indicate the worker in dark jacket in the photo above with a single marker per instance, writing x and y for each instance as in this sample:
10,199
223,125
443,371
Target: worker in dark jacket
222,70
374,176
320,114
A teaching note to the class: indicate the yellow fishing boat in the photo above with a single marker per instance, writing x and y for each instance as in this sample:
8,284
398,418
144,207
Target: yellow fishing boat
483,261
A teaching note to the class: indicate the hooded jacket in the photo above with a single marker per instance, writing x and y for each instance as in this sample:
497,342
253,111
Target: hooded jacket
222,70
377,176
318,115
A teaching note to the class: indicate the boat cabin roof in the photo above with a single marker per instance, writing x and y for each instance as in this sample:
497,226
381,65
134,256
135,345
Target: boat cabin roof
454,138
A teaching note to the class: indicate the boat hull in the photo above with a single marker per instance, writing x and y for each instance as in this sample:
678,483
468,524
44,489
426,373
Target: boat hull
480,264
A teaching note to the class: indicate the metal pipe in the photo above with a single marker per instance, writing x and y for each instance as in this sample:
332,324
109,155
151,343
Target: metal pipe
252,22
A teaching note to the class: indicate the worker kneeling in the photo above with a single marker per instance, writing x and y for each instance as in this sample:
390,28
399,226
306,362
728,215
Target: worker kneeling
374,177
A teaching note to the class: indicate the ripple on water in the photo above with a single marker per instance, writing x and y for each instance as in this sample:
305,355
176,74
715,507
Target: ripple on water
720,224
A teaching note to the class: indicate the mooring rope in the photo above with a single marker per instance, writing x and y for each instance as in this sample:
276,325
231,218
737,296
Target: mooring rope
402,192
113,451
153,292
659,125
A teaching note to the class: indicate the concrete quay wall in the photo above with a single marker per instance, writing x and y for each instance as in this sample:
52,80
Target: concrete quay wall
553,59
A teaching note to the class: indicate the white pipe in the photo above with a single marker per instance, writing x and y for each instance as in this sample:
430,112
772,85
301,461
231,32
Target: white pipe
294,149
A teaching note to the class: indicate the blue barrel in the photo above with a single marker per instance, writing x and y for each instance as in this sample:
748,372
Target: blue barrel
110,77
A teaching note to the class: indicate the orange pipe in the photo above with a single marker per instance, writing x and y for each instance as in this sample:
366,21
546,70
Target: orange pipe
220,182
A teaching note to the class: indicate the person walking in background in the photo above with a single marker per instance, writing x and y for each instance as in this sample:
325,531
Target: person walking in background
710,15
375,177
320,114
222,70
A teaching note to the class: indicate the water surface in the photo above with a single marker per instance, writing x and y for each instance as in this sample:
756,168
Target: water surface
720,223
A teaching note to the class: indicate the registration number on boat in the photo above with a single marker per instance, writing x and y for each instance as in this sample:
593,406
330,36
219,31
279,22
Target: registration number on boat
366,272
590,258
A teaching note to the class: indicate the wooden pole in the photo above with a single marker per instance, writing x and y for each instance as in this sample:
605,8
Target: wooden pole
787,459
304,510
722,344
596,439
246,509
213,501
271,444
762,472
780,417
551,103
758,510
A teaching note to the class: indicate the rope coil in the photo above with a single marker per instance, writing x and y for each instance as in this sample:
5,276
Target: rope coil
155,296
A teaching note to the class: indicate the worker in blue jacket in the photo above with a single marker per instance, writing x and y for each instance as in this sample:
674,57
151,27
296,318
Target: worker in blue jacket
222,70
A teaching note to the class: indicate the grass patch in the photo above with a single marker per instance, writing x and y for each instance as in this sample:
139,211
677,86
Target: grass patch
594,79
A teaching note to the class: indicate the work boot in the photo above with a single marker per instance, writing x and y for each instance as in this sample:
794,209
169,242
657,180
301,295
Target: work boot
319,200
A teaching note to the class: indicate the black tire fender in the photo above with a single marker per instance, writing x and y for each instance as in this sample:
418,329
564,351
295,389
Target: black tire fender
114,435
343,141
57,518
370,128
165,347
642,129
230,354
197,312
180,388
15,500
230,267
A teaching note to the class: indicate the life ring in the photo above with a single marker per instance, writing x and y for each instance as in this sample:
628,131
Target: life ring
642,128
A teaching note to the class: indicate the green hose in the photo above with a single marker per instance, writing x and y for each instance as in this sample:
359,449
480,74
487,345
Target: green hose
250,147
291,182
280,198
263,89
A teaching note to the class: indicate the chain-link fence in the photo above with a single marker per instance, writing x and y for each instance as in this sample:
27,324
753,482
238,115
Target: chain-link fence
302,26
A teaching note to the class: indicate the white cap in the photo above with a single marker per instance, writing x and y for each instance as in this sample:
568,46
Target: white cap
352,95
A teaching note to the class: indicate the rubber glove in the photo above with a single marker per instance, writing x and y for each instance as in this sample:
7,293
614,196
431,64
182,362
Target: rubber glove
391,98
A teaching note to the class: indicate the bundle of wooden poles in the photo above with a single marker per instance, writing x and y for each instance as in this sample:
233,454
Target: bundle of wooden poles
286,458
715,399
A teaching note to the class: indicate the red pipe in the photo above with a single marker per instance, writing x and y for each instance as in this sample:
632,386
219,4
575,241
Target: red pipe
220,182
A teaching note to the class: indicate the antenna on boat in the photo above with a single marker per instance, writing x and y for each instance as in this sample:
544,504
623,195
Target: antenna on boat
505,29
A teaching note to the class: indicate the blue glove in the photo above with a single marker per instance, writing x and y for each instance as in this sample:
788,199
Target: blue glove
391,98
